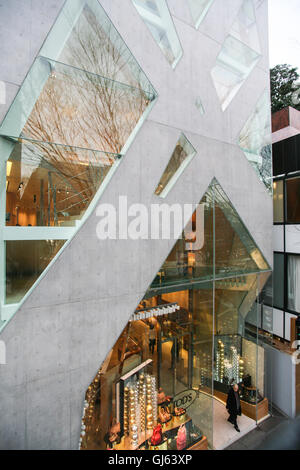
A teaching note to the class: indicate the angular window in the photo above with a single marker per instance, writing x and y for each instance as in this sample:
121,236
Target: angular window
157,17
235,250
199,105
183,154
75,115
25,262
215,242
199,9
76,108
293,283
187,340
255,140
238,57
278,201
293,200
52,185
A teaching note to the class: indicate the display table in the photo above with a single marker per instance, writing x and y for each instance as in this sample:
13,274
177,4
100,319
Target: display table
167,428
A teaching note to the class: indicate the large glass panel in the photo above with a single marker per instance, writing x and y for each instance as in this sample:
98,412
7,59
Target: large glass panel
192,256
75,107
89,41
153,390
238,56
236,252
199,9
156,15
294,283
293,200
278,201
183,154
52,185
214,234
25,262
255,140
278,280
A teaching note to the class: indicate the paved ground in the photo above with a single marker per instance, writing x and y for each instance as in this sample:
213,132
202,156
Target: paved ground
224,432
276,433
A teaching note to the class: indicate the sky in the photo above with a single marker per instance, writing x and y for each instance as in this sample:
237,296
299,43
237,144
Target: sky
284,31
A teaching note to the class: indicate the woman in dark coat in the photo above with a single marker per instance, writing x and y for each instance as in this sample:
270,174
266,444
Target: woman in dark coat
233,406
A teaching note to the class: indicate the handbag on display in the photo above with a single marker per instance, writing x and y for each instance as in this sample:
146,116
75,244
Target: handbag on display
157,435
164,415
181,438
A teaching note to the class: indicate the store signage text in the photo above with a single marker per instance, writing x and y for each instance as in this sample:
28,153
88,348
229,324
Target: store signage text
185,399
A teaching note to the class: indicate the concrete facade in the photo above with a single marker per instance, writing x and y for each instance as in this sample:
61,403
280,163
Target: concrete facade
63,331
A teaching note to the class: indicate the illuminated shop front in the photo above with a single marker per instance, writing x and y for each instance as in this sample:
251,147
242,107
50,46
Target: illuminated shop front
189,339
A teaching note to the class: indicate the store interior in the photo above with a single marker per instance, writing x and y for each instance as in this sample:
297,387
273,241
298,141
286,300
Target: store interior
164,384
170,372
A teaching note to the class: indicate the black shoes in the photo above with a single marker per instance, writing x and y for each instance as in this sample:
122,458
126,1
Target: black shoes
237,428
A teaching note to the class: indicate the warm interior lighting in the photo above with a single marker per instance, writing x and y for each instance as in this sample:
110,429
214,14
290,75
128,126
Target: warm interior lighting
8,168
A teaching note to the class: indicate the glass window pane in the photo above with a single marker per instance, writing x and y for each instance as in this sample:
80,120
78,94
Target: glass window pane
192,256
74,107
278,280
156,15
199,9
293,200
235,252
183,154
25,262
52,185
238,56
255,140
158,373
278,201
294,283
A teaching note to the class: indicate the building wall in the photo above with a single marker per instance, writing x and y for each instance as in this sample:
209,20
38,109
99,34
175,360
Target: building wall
65,328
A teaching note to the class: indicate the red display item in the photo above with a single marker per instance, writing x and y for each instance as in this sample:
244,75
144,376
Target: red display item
181,438
157,435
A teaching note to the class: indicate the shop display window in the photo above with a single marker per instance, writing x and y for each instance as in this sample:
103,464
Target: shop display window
180,351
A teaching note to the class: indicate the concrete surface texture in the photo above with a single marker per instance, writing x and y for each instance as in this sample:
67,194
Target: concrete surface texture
60,336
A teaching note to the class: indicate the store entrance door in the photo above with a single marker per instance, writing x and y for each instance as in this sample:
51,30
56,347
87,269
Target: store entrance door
175,364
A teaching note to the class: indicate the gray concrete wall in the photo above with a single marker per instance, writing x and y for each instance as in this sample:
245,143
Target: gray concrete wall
281,377
62,333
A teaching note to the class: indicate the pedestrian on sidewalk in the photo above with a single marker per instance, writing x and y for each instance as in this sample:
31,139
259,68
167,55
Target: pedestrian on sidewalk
233,406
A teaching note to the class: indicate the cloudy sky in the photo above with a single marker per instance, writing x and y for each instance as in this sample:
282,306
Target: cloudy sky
284,25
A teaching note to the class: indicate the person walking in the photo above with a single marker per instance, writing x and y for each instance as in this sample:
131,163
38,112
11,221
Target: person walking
233,406
152,338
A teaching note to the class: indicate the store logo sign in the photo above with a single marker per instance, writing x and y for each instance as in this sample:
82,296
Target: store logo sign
185,399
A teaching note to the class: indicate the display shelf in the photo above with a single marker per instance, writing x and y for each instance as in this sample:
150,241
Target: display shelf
125,443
